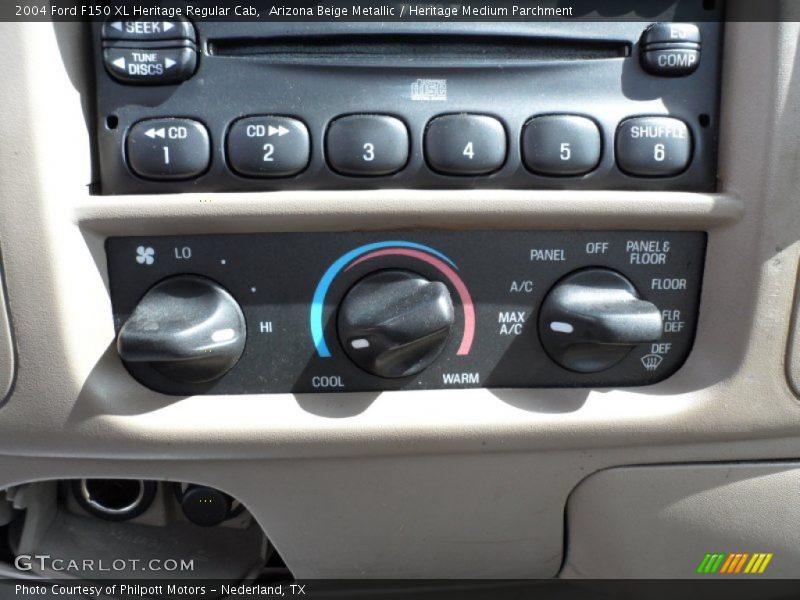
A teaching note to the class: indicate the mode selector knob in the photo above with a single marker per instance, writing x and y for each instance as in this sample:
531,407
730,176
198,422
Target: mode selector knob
593,318
187,328
395,323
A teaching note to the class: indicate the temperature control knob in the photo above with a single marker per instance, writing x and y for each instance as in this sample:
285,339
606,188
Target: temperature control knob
593,318
395,323
187,328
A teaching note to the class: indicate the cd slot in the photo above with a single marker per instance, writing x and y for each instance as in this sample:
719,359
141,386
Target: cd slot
416,50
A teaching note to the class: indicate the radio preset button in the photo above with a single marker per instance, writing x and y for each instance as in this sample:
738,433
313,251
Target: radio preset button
561,145
465,144
268,146
367,145
653,146
168,148
158,66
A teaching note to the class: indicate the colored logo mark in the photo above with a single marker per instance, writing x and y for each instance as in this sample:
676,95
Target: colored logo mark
737,563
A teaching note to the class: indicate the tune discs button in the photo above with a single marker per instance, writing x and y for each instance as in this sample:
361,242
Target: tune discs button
268,146
154,66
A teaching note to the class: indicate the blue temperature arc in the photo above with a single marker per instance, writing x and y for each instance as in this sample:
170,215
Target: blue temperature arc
318,302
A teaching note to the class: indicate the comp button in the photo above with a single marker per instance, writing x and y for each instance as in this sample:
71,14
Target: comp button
653,146
268,146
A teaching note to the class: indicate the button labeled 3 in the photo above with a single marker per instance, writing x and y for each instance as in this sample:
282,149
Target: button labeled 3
268,146
367,145
168,148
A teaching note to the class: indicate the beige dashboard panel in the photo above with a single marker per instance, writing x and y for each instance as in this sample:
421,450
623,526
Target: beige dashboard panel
7,351
447,483
660,522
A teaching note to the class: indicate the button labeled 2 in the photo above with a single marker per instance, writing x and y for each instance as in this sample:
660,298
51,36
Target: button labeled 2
465,144
367,145
268,146
168,148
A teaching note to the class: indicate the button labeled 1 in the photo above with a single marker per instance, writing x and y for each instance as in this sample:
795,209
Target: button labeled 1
653,146
561,145
268,146
367,145
168,148
465,144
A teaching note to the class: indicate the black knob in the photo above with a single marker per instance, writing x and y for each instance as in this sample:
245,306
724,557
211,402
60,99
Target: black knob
206,506
395,323
593,318
187,328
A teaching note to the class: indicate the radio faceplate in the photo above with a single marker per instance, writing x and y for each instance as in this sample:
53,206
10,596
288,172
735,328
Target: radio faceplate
426,310
272,106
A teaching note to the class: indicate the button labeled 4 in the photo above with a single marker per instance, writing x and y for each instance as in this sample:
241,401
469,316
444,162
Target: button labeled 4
465,144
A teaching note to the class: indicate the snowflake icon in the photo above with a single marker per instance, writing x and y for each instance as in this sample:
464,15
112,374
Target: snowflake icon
145,256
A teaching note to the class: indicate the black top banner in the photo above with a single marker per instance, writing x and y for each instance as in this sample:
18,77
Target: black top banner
515,11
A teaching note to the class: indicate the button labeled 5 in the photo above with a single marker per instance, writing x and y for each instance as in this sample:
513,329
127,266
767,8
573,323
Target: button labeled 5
561,145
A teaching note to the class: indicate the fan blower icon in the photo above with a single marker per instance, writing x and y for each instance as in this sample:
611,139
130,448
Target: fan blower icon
145,256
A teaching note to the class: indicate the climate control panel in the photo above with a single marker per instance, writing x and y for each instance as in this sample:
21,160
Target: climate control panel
371,311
